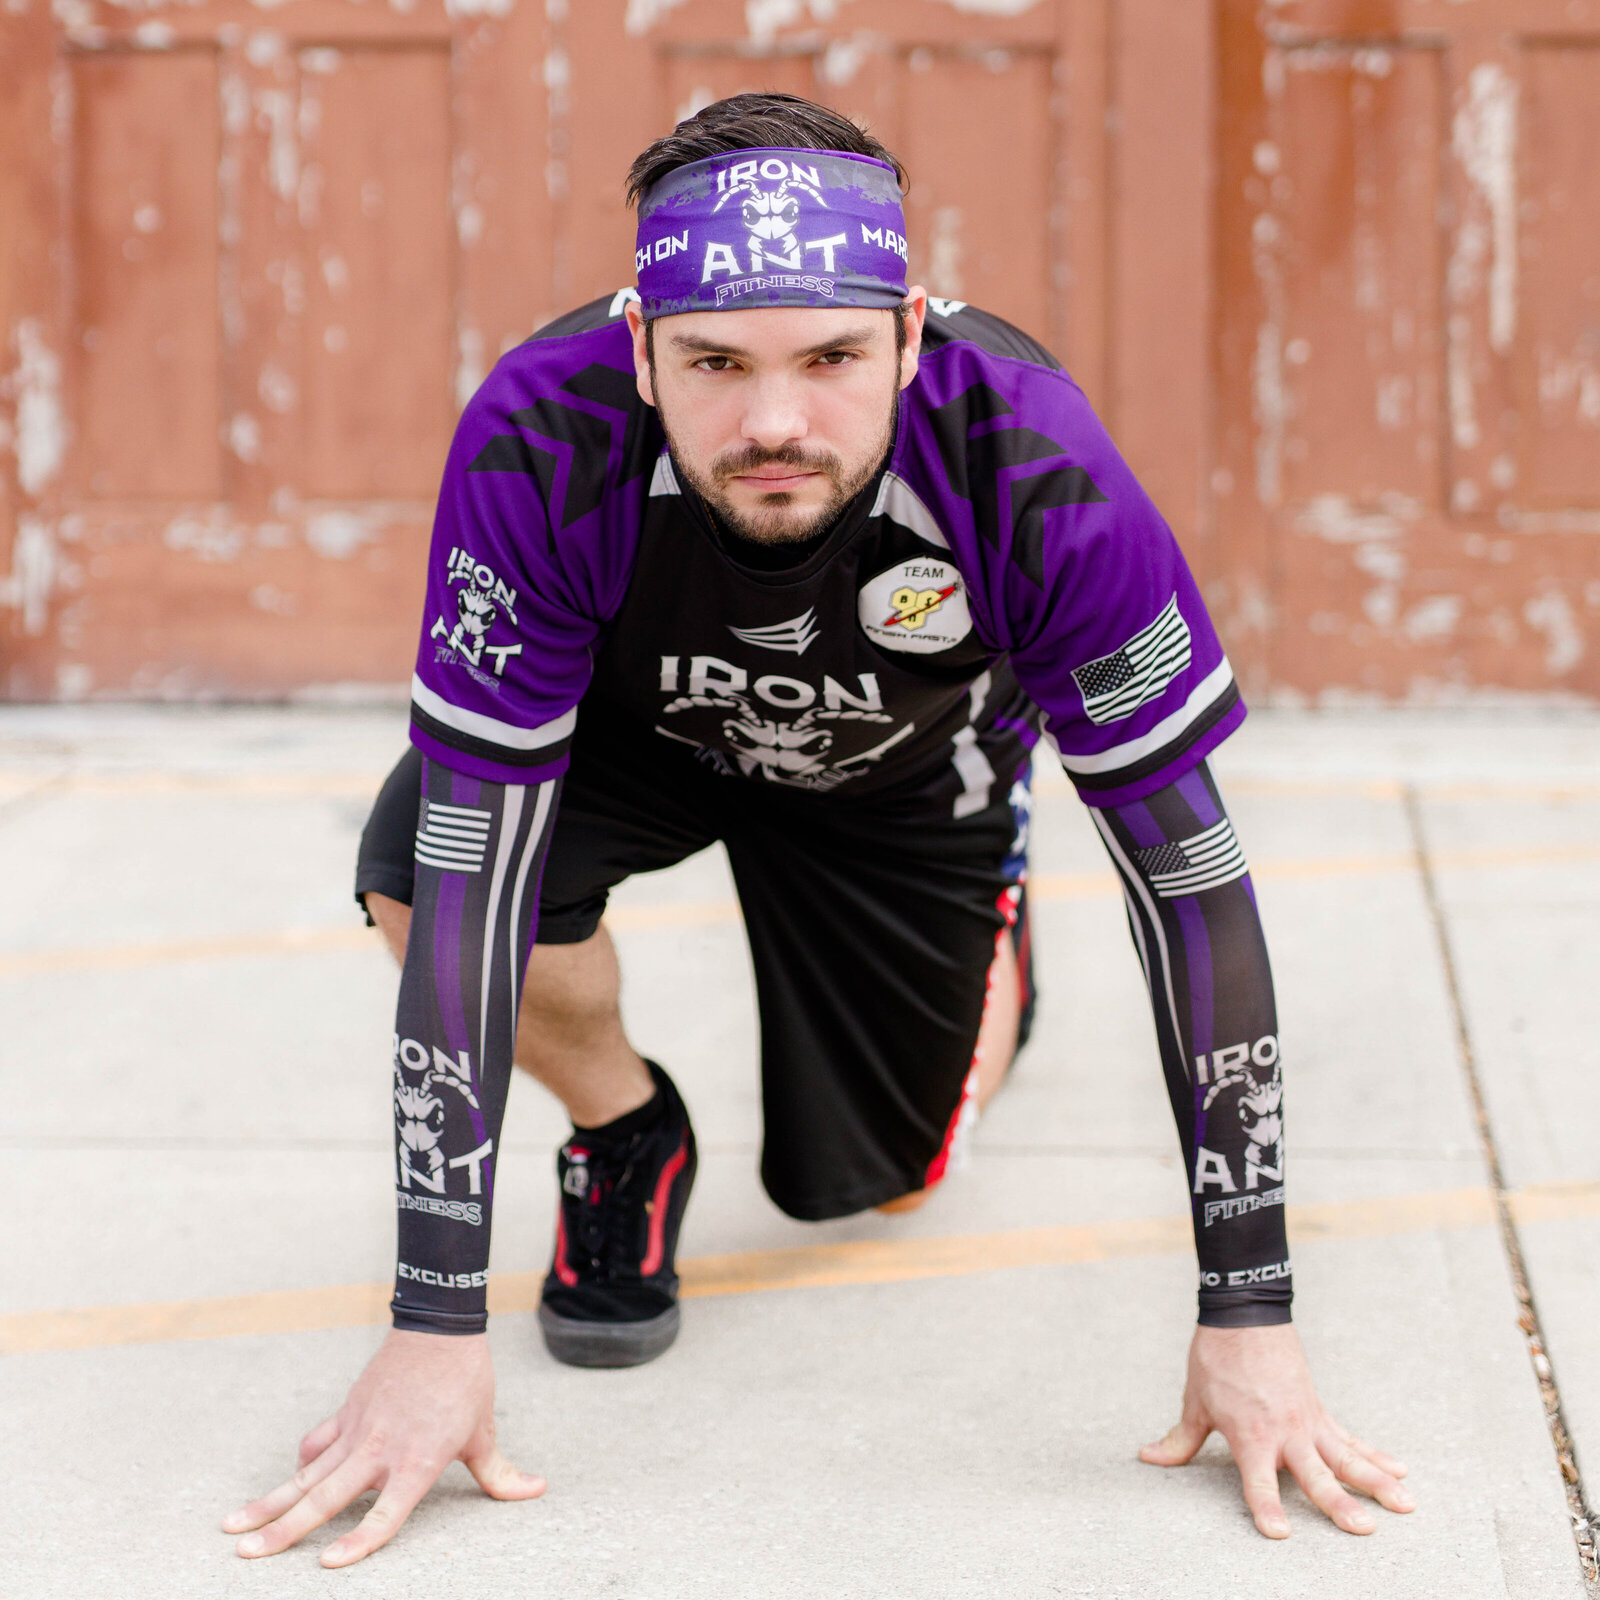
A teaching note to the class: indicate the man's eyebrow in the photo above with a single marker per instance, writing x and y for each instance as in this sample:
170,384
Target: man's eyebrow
694,344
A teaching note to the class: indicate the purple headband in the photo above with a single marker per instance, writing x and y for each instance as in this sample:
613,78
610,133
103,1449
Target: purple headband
772,228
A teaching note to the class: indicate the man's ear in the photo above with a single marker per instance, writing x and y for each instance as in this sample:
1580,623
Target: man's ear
641,353
916,313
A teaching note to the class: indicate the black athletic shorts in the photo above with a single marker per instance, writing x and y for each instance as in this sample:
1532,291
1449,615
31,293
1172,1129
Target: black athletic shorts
872,926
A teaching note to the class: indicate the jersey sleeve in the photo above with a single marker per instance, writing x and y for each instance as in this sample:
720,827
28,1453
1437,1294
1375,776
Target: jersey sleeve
511,610
1073,571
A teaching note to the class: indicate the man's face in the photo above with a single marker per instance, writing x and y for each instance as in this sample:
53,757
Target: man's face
777,417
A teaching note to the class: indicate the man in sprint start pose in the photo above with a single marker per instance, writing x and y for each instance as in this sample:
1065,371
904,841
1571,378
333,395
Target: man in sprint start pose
777,551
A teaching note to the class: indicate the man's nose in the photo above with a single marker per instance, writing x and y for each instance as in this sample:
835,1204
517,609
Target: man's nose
775,414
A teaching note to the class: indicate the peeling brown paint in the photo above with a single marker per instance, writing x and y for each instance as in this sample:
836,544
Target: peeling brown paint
1364,383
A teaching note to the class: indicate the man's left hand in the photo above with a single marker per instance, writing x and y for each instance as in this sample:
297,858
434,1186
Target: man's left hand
1252,1385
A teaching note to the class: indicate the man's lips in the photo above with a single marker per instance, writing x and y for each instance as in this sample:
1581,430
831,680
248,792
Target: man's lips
768,481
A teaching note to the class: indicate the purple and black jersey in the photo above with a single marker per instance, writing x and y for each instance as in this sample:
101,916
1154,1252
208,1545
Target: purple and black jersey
1003,573
1005,536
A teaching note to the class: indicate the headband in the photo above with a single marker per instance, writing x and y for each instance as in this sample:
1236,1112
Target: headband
772,228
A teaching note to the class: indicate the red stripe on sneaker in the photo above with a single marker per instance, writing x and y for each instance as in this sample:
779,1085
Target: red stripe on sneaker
657,1247
562,1270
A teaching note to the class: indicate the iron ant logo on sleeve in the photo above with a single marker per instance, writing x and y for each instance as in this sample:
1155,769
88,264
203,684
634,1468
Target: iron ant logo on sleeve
919,606
480,601
421,1113
1251,1076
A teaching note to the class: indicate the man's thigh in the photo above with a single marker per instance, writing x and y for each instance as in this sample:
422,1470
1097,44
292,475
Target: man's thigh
871,935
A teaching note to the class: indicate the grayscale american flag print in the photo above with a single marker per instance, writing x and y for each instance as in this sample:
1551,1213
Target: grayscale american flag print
452,838
1207,860
1116,685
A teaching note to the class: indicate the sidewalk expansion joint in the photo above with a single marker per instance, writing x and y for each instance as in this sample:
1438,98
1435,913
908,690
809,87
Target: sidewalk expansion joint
1585,1525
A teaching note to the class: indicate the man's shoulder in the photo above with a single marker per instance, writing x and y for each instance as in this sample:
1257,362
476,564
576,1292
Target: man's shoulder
955,322
609,311
587,349
563,411
979,374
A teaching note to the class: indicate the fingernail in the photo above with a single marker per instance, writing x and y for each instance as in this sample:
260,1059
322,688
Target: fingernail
1278,1525
1363,1522
252,1545
333,1555
1405,1502
233,1522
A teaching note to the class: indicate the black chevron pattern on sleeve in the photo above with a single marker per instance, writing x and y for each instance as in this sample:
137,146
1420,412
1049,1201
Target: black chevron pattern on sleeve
582,443
973,462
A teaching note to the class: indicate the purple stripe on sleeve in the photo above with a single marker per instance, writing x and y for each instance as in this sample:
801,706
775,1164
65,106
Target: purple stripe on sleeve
1193,789
1146,831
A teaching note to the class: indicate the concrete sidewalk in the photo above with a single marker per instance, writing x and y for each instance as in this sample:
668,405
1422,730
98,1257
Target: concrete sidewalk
945,1404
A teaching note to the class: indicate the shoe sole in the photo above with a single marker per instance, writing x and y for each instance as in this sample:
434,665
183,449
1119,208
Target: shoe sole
607,1344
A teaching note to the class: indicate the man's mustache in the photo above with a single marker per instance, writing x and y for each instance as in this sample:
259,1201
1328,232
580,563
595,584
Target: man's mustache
752,457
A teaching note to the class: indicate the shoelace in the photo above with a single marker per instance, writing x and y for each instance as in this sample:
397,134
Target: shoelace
603,1218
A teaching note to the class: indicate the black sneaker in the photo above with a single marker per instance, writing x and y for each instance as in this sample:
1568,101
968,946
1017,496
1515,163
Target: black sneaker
611,1297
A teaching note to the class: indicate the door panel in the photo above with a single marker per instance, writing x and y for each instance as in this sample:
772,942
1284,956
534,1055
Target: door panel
976,133
374,202
1405,467
287,245
1558,378
145,244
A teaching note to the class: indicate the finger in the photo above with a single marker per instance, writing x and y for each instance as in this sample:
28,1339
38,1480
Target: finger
499,1479
1258,1473
396,1503
1180,1444
327,1499
1361,1472
1385,1463
1324,1490
270,1506
319,1439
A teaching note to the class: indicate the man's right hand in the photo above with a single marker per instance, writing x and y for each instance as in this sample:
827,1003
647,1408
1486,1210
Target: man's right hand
424,1401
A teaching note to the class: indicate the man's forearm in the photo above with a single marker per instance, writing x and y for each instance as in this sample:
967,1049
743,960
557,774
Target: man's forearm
479,856
1193,915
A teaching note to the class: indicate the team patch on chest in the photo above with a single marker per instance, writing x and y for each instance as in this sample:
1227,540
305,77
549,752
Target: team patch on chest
919,606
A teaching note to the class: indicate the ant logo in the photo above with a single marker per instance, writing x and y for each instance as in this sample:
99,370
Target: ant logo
772,215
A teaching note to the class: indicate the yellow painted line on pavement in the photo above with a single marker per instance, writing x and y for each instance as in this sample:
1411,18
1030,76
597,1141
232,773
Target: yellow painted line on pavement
1555,1202
1044,886
110,958
292,785
861,1261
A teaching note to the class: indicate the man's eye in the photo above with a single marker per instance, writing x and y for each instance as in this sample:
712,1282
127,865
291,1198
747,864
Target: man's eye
838,358
714,363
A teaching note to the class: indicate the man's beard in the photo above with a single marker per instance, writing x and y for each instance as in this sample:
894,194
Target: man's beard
775,518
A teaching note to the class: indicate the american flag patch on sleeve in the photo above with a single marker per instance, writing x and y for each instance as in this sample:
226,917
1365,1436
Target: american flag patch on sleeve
452,838
1191,866
1115,686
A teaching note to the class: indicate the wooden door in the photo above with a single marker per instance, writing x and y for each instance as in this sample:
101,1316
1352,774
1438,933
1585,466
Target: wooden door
1407,490
251,260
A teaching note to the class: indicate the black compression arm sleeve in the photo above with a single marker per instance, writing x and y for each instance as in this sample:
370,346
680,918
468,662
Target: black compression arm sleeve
479,854
1193,915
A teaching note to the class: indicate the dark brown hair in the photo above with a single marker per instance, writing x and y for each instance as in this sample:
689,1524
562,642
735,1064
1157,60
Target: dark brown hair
754,122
